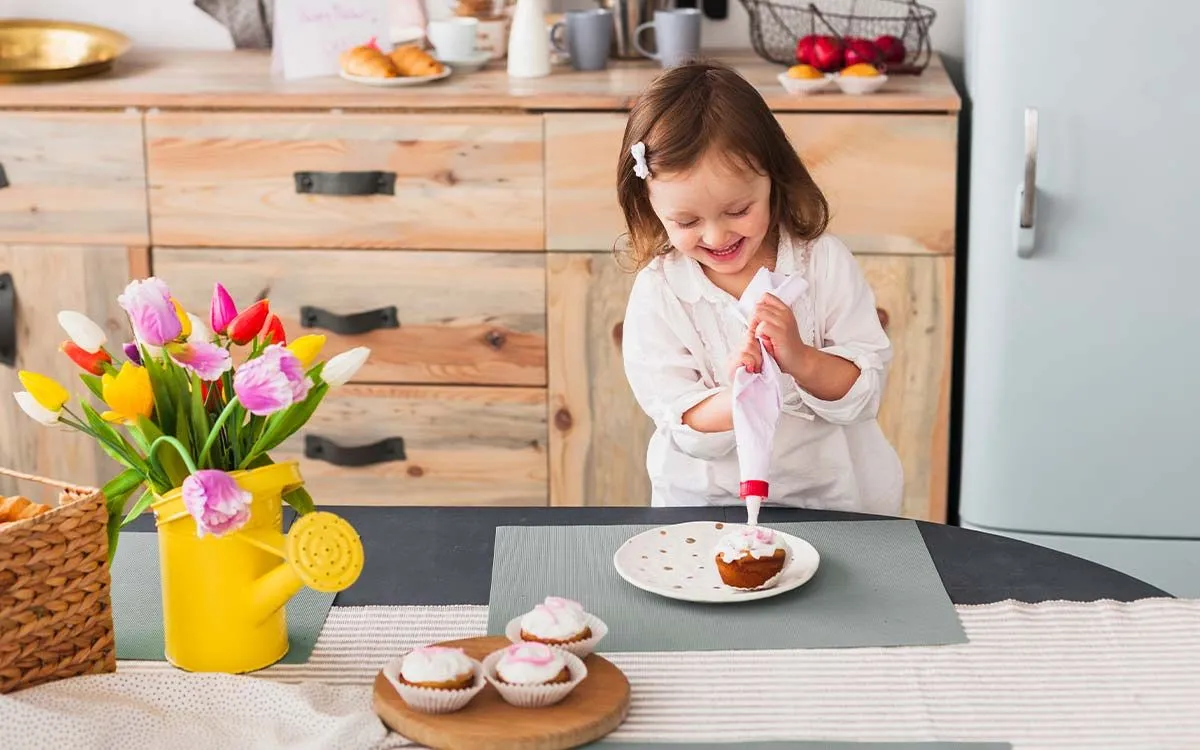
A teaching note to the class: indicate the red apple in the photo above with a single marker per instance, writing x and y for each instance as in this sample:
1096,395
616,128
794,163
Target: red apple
827,54
804,49
861,51
891,48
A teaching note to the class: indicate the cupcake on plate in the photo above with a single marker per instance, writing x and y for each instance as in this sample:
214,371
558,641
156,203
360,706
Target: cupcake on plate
534,674
436,679
750,558
558,622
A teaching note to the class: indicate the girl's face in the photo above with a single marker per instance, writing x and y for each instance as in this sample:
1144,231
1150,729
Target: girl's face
715,213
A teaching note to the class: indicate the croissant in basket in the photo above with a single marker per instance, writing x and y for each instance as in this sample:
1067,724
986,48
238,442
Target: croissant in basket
368,61
17,508
411,60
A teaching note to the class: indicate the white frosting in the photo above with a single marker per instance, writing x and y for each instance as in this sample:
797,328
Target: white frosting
435,664
556,618
530,664
756,541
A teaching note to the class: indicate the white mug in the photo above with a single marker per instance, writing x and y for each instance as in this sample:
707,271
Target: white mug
454,38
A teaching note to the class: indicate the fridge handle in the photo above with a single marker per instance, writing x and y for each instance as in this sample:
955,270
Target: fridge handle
1027,190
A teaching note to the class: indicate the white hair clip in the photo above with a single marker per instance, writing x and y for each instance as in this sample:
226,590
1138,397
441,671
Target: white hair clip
640,167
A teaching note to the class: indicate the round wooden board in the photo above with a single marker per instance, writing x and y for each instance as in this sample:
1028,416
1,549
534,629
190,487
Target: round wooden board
593,709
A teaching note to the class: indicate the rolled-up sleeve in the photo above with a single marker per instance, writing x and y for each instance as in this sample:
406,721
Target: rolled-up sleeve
852,332
666,377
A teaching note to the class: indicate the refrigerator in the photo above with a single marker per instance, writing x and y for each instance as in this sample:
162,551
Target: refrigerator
1081,381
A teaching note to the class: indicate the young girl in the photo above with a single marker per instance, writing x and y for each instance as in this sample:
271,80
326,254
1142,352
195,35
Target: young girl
712,191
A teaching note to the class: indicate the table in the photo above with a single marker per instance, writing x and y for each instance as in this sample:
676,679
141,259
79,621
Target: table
434,556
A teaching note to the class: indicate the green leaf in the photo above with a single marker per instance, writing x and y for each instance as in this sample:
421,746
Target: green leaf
121,486
300,500
114,532
138,508
109,437
94,384
199,415
164,405
285,423
172,464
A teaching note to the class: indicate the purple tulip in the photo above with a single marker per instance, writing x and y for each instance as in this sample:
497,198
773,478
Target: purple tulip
272,381
217,503
132,353
207,360
221,310
151,311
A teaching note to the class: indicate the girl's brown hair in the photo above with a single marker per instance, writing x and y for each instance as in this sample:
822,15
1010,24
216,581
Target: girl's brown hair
688,111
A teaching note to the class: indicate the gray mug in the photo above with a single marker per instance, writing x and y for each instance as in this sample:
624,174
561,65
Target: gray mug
588,36
676,36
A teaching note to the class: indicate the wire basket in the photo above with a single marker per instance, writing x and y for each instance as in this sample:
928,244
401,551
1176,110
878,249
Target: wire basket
776,26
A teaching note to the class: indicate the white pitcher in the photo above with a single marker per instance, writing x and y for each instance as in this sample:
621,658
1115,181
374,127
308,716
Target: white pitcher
528,41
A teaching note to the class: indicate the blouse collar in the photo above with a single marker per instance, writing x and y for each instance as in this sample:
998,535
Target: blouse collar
687,281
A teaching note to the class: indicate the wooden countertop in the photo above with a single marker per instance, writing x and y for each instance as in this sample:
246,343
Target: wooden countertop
192,79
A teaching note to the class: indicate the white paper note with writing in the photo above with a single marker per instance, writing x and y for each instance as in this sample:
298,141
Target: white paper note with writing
310,35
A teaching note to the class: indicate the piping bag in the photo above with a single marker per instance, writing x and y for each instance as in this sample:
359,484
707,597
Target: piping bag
757,398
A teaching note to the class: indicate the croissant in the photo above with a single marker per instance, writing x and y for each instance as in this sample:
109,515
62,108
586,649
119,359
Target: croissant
367,60
411,60
19,508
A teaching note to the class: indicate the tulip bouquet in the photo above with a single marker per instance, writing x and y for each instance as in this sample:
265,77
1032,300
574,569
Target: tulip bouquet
176,410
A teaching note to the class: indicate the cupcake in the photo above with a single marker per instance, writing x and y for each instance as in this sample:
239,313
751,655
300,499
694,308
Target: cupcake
534,674
558,622
750,558
436,679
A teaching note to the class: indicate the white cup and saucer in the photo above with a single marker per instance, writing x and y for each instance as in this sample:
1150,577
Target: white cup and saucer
453,41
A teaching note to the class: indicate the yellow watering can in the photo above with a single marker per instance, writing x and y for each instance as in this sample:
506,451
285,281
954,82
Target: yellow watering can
224,597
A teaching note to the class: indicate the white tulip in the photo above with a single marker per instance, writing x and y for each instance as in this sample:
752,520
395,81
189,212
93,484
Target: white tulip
338,370
82,330
36,411
200,330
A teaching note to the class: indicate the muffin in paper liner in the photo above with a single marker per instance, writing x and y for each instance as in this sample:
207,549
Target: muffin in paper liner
770,582
583,649
535,696
433,700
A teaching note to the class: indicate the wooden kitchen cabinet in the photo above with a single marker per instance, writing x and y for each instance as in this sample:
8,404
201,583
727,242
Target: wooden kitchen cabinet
42,280
464,232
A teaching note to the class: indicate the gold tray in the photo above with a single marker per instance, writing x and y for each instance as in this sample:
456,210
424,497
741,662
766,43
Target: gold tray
34,50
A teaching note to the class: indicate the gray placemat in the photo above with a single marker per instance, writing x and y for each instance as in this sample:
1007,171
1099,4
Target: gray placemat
876,586
137,605
804,745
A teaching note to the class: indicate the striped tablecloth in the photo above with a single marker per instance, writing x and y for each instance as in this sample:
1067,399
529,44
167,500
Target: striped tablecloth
1057,674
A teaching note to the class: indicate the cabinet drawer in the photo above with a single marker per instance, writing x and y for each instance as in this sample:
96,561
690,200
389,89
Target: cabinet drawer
456,317
890,179
73,178
914,296
452,181
462,446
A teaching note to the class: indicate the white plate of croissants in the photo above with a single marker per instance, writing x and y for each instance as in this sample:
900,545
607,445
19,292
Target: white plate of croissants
406,65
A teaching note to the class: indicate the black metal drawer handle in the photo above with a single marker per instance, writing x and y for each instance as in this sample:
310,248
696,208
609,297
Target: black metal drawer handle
352,324
8,320
3,177
323,449
346,183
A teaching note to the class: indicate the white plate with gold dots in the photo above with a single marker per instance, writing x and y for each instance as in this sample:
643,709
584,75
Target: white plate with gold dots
678,562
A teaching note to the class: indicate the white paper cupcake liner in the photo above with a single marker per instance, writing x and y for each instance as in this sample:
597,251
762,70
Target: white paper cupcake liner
787,560
583,649
535,696
432,700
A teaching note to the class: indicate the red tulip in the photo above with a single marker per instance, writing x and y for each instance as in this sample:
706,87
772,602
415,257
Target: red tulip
274,333
92,362
248,323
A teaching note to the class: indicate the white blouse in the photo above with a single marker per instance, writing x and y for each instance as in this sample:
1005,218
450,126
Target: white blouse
680,332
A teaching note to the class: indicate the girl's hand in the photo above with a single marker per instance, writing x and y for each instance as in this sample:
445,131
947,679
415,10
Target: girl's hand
750,357
776,324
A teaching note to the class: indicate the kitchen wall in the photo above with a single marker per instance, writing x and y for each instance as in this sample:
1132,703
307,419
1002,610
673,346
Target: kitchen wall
177,23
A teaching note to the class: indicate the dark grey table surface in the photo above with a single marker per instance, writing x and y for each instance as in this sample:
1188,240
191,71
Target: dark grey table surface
424,555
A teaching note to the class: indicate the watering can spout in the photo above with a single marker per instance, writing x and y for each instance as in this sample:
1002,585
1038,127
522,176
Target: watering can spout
321,551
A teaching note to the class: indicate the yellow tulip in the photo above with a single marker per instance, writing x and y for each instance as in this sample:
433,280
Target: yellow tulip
46,391
128,394
185,322
306,348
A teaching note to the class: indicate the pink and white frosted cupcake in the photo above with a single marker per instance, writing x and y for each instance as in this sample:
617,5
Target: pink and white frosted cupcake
436,679
530,675
559,622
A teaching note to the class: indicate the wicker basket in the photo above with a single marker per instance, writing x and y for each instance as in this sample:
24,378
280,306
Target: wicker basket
55,610
776,26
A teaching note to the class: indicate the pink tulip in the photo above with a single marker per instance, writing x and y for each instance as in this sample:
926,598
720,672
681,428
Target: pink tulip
217,503
151,311
272,381
222,310
207,360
